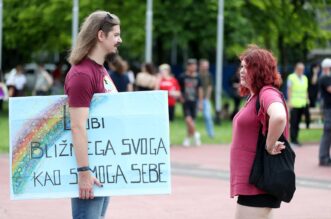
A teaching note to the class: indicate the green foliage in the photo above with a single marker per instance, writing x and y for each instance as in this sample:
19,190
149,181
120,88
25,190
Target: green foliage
238,30
290,28
37,25
4,127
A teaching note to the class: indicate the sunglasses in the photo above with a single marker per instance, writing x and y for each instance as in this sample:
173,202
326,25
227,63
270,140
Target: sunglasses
107,19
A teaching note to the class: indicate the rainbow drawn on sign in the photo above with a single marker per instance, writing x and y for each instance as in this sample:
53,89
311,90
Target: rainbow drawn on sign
46,129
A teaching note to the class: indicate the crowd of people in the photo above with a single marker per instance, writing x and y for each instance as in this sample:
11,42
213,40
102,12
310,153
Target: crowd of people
41,83
304,92
193,89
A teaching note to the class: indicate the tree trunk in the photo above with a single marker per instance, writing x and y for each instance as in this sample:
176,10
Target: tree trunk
283,61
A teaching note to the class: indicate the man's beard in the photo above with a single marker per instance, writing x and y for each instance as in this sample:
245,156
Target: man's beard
111,56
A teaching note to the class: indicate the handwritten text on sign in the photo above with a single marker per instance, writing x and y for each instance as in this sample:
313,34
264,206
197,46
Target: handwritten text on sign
128,145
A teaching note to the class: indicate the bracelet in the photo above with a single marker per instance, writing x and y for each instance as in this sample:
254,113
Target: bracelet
81,169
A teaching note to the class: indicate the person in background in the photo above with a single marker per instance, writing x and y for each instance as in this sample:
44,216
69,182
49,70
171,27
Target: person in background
192,96
16,82
44,82
57,74
58,78
129,72
98,38
146,79
3,92
297,94
120,79
169,83
207,88
325,90
234,92
258,78
312,91
313,84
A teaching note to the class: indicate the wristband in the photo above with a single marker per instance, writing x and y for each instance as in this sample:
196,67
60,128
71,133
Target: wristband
81,169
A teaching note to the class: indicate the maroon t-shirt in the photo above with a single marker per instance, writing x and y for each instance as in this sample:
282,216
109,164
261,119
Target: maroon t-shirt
85,79
245,131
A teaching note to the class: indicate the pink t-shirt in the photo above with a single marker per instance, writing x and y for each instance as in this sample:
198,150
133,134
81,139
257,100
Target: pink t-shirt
245,135
85,79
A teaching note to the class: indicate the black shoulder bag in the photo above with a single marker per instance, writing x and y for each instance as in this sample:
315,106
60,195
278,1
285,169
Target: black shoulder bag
273,174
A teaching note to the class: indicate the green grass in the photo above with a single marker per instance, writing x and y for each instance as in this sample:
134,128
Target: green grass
223,132
4,132
310,135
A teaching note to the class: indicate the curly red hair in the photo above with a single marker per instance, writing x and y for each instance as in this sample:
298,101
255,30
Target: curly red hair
261,70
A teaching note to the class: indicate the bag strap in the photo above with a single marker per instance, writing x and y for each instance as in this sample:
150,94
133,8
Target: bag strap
258,106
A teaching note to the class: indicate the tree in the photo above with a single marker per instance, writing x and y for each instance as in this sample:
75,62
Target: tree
182,29
289,27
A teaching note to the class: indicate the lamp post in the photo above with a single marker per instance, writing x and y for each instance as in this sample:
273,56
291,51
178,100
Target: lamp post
219,60
149,40
75,21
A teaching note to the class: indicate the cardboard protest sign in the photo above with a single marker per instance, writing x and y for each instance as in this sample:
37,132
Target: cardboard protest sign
128,146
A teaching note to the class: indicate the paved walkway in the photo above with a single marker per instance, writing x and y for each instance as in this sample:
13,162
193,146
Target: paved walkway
200,190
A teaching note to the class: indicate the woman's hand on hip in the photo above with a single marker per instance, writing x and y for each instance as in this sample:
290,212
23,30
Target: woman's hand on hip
276,148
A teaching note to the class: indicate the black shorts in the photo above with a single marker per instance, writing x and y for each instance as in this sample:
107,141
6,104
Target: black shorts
262,201
190,109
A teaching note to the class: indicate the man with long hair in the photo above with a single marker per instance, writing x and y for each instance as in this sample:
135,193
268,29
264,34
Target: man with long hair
99,37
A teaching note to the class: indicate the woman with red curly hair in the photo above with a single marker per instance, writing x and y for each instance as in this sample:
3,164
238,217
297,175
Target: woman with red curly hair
258,78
